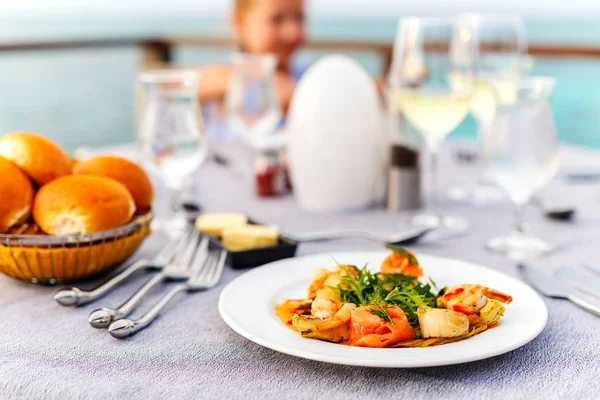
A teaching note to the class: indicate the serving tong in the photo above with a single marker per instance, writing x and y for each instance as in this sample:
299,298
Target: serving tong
186,258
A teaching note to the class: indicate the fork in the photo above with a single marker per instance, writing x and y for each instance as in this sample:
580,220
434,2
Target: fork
206,274
179,269
75,297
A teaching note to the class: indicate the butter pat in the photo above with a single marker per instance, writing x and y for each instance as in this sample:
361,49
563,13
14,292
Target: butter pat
249,237
214,224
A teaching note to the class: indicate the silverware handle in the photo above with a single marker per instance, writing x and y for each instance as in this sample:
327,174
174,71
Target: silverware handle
77,297
594,309
101,318
134,300
333,235
126,327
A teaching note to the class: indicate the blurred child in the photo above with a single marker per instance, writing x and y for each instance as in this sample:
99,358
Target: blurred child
262,27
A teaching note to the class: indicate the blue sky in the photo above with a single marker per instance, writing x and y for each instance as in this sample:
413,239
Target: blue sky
320,7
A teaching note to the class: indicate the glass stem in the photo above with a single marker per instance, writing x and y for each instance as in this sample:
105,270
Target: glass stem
175,202
520,225
433,203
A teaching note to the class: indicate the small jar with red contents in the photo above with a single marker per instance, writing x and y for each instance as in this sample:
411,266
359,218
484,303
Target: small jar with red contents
270,175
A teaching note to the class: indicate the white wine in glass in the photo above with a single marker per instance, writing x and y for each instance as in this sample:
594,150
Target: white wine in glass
433,90
435,113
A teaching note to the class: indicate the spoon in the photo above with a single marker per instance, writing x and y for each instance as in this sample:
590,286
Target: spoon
557,213
396,240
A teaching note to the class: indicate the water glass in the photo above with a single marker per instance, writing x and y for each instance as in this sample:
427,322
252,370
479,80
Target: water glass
497,46
252,102
521,156
171,135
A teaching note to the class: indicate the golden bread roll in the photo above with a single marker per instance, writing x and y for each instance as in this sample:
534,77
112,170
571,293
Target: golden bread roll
17,195
249,237
42,159
213,224
129,174
79,204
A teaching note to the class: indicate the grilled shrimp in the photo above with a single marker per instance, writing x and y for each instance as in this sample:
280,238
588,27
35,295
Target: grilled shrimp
319,277
324,308
469,298
397,263
324,280
341,317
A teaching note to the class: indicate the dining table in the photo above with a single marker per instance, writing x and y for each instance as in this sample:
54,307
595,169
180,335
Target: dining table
51,352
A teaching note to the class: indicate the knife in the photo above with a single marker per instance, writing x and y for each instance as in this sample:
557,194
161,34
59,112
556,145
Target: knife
551,288
580,280
592,268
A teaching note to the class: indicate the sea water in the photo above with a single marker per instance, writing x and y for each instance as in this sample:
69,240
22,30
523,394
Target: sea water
86,97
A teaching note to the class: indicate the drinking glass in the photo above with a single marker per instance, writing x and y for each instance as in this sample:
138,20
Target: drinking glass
252,101
498,43
171,135
521,155
433,90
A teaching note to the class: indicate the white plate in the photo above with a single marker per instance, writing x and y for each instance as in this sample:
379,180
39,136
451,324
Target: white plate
247,306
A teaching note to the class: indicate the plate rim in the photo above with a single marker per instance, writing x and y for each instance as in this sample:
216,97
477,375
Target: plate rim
310,355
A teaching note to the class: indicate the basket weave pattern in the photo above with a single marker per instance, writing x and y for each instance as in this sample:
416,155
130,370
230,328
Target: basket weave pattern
47,259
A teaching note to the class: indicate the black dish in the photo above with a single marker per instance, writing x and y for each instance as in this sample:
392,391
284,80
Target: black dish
286,248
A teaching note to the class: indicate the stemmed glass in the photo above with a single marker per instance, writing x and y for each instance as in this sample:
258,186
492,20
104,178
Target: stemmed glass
433,90
171,135
521,155
498,43
252,102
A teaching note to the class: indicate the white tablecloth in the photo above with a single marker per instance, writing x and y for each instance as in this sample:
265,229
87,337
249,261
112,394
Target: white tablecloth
50,352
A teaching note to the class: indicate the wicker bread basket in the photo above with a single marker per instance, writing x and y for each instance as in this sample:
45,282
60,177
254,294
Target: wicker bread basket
54,259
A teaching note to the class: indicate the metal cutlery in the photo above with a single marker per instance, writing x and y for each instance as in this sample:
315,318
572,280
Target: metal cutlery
205,274
178,269
584,177
551,288
592,268
74,297
395,240
580,280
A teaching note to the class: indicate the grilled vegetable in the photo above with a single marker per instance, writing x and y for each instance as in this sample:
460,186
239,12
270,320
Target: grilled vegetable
441,323
491,312
306,325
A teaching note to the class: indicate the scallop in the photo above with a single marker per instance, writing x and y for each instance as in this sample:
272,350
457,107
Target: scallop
442,323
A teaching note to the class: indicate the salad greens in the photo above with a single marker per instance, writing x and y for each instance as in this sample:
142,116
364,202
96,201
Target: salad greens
365,288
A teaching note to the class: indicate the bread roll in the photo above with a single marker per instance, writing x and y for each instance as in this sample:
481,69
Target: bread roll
249,237
42,159
213,224
17,195
79,204
124,171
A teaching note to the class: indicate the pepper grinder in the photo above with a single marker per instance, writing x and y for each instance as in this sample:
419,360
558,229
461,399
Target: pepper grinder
404,174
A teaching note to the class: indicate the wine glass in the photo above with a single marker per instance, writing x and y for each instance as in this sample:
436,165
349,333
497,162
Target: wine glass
171,135
433,90
498,43
252,102
521,155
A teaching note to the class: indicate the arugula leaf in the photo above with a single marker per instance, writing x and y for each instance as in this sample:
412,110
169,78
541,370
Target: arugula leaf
417,332
382,313
365,288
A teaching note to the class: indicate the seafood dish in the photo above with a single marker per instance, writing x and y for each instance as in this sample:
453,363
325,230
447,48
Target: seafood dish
396,307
